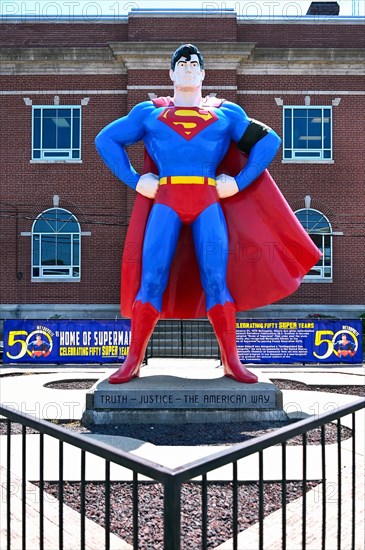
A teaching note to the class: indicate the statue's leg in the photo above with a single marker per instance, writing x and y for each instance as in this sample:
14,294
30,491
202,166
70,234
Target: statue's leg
223,320
211,244
159,246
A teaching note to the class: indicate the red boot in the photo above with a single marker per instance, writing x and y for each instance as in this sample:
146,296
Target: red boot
144,319
223,320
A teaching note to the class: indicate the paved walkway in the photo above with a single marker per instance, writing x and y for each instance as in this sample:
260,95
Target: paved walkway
37,399
94,534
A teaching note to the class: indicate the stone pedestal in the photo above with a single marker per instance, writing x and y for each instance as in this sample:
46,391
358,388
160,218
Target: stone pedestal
176,394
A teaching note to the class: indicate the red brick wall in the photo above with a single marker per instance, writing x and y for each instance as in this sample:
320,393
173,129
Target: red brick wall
336,189
103,204
65,35
300,82
200,29
88,190
61,82
318,35
180,30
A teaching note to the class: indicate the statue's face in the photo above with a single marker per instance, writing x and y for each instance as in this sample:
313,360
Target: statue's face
187,75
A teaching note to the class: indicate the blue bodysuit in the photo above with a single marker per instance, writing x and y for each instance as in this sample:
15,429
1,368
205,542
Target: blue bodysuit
187,144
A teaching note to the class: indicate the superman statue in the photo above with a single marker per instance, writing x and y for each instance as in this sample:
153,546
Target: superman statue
189,212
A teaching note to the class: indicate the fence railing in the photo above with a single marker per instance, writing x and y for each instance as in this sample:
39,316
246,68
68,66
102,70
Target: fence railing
183,338
200,472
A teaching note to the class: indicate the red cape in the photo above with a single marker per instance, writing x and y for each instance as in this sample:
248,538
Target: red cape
269,251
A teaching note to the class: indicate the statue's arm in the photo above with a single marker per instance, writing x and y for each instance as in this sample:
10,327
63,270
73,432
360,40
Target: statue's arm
113,139
255,139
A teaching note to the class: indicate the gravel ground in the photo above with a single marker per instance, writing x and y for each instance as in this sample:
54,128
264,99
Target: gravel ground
208,434
150,501
84,384
284,384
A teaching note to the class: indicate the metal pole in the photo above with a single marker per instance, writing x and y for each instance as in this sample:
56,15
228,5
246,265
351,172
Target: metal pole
172,507
182,339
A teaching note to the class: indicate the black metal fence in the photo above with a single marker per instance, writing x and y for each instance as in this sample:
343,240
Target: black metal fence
188,338
173,480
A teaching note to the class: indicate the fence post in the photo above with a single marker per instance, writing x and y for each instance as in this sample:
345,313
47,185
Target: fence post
172,512
182,339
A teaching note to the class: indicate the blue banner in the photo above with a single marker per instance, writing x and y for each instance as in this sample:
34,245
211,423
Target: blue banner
300,341
40,342
259,341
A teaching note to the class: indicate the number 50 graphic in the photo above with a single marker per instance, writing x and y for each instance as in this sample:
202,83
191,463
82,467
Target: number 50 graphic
323,337
24,340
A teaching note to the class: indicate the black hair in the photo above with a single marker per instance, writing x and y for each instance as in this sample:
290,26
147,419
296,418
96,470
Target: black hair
186,50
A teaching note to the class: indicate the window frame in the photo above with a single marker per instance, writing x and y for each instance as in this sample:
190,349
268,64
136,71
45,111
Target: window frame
42,277
45,153
321,262
318,153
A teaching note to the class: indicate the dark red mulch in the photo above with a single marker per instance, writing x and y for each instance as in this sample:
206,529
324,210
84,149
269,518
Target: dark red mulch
150,501
284,384
82,384
208,434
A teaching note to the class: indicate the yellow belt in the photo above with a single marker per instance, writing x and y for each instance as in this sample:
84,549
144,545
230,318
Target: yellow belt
197,180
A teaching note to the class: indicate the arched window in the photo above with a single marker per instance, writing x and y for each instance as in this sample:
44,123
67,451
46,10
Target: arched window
56,246
320,231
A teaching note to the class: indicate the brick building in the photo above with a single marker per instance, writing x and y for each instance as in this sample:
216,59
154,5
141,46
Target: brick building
64,216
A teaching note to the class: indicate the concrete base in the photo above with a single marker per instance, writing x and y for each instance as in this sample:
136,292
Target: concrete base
194,392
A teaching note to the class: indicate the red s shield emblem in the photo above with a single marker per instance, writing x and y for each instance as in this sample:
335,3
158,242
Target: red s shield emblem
187,122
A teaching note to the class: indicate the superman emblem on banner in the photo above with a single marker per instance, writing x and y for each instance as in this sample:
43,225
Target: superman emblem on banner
187,122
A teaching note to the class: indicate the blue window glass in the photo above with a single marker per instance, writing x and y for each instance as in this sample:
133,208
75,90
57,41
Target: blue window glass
76,250
36,250
307,133
75,128
56,129
54,154
63,124
56,133
43,226
48,250
37,129
49,137
64,250
57,272
56,242
327,128
307,154
66,223
320,231
300,129
314,135
288,131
